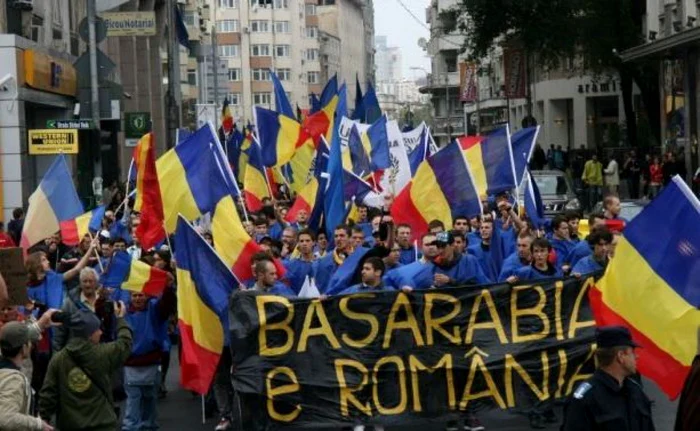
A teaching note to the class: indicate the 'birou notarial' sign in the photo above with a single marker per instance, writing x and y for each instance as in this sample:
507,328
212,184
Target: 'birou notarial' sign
53,141
130,23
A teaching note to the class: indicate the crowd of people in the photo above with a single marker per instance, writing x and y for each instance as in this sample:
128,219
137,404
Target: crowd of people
94,346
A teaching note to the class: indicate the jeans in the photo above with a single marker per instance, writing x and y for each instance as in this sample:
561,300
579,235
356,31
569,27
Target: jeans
223,389
594,193
141,408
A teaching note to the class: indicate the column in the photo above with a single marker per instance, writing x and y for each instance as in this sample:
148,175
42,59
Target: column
15,174
580,122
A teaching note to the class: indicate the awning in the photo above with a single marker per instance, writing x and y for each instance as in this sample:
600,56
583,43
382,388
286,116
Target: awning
663,45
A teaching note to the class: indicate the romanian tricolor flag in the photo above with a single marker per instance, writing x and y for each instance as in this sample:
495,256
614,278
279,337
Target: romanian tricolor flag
204,285
442,188
651,286
279,136
188,172
255,187
54,202
226,118
134,275
149,203
73,231
490,160
305,200
299,169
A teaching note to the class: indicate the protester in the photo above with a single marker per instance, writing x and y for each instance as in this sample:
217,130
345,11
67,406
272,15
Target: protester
15,226
600,241
436,226
77,389
404,237
6,240
17,400
288,239
325,267
517,260
392,261
461,224
266,280
610,400
612,208
484,249
583,248
540,268
460,241
357,237
688,413
148,319
372,273
561,240
573,218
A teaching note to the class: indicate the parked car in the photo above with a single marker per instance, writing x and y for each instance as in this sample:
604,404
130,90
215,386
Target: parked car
557,192
629,208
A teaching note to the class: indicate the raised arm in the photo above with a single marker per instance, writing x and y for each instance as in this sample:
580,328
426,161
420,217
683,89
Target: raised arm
82,263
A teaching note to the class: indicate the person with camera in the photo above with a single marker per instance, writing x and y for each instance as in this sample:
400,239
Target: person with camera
77,388
16,394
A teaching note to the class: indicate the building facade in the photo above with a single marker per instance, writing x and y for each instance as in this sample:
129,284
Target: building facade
387,61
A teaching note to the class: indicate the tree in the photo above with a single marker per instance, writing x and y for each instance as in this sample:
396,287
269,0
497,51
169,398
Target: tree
552,30
419,113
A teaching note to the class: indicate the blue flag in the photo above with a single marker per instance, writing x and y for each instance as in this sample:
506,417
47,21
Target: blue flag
329,91
370,104
182,36
359,113
419,152
320,165
282,104
314,103
533,202
334,202
523,142
358,155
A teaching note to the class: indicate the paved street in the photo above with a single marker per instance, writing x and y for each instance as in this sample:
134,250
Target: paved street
181,411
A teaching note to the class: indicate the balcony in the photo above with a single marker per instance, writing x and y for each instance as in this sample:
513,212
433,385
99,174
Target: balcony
437,83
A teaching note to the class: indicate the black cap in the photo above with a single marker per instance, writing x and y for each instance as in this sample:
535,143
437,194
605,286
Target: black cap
444,238
614,336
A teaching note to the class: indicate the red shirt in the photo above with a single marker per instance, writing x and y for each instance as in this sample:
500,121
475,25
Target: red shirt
6,240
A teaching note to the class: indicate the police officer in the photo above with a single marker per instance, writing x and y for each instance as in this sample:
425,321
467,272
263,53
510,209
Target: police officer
610,400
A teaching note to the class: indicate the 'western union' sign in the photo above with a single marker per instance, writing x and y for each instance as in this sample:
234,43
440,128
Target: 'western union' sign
48,141
130,23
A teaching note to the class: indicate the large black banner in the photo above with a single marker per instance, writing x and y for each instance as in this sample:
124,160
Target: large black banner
392,358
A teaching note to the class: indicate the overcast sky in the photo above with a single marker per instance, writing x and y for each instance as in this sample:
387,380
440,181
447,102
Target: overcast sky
402,30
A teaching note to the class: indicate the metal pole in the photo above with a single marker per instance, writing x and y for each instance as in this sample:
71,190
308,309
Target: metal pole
215,66
173,111
447,109
478,103
94,86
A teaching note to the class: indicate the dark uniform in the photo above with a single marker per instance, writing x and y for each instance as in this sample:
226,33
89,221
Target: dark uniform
601,404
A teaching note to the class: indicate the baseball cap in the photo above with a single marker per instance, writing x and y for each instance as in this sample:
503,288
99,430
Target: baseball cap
444,238
614,336
16,334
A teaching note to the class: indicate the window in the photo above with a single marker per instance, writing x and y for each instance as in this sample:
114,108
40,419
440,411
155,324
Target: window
192,76
312,77
234,98
260,26
230,4
234,74
188,18
228,50
261,3
312,54
57,10
262,99
281,4
260,50
281,26
284,74
227,25
282,50
310,9
312,32
260,74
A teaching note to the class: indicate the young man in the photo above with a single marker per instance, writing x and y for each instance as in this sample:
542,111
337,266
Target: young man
15,226
561,241
461,224
436,226
517,260
600,241
261,228
612,208
393,261
404,237
592,177
405,275
16,396
266,280
77,388
582,248
288,240
300,264
460,241
483,250
372,273
573,218
325,267
540,268
358,237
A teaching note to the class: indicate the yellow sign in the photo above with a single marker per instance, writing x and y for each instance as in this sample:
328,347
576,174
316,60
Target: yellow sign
53,141
48,73
130,23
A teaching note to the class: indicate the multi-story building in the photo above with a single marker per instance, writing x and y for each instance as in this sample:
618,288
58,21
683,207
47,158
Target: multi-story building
253,36
443,79
387,60
401,94
38,46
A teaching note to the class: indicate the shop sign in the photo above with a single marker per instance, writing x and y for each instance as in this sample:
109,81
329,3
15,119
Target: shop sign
52,141
47,73
80,124
598,87
130,23
136,124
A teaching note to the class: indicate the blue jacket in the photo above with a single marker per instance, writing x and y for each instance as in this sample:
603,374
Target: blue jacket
366,229
488,266
563,248
297,271
529,272
323,270
361,288
408,255
473,238
509,238
50,291
275,231
465,271
407,274
281,289
587,265
510,266
149,328
580,250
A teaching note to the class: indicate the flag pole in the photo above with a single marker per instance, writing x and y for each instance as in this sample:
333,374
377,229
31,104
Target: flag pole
99,261
204,415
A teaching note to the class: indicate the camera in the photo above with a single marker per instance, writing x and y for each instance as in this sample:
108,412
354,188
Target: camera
60,317
109,308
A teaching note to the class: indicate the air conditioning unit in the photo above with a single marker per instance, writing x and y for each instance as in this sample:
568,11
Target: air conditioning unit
246,30
37,34
25,5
